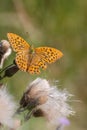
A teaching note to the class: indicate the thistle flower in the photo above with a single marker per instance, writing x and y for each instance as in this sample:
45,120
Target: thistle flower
45,100
63,121
7,108
5,51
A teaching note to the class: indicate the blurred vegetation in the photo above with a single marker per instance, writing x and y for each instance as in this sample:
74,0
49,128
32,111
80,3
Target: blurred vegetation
60,24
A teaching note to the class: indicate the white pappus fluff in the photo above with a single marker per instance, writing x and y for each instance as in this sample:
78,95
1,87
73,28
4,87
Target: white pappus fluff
57,103
7,108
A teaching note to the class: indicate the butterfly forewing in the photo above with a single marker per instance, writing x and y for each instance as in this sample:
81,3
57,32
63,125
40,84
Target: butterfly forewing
48,54
17,43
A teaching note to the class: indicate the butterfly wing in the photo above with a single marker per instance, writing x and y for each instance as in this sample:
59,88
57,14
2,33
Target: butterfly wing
35,64
22,60
41,57
48,54
18,44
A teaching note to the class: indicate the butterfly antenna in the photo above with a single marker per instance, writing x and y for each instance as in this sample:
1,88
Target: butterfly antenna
27,33
29,38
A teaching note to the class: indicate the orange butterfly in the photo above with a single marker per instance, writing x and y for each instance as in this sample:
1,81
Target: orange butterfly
29,59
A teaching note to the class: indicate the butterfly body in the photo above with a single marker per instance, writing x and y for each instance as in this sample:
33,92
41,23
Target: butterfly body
31,59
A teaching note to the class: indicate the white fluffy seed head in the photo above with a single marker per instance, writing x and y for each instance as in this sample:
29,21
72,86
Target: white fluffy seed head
57,101
7,108
56,106
37,88
38,85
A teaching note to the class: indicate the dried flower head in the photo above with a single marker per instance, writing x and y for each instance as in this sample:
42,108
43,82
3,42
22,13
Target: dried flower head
47,101
5,51
7,108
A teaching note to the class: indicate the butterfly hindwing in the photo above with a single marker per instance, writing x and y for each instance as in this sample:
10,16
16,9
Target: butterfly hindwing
36,64
17,43
22,60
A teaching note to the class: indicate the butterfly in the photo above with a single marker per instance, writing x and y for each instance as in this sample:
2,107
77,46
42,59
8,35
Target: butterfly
31,59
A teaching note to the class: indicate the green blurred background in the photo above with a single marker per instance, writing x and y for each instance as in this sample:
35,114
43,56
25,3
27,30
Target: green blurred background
56,23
